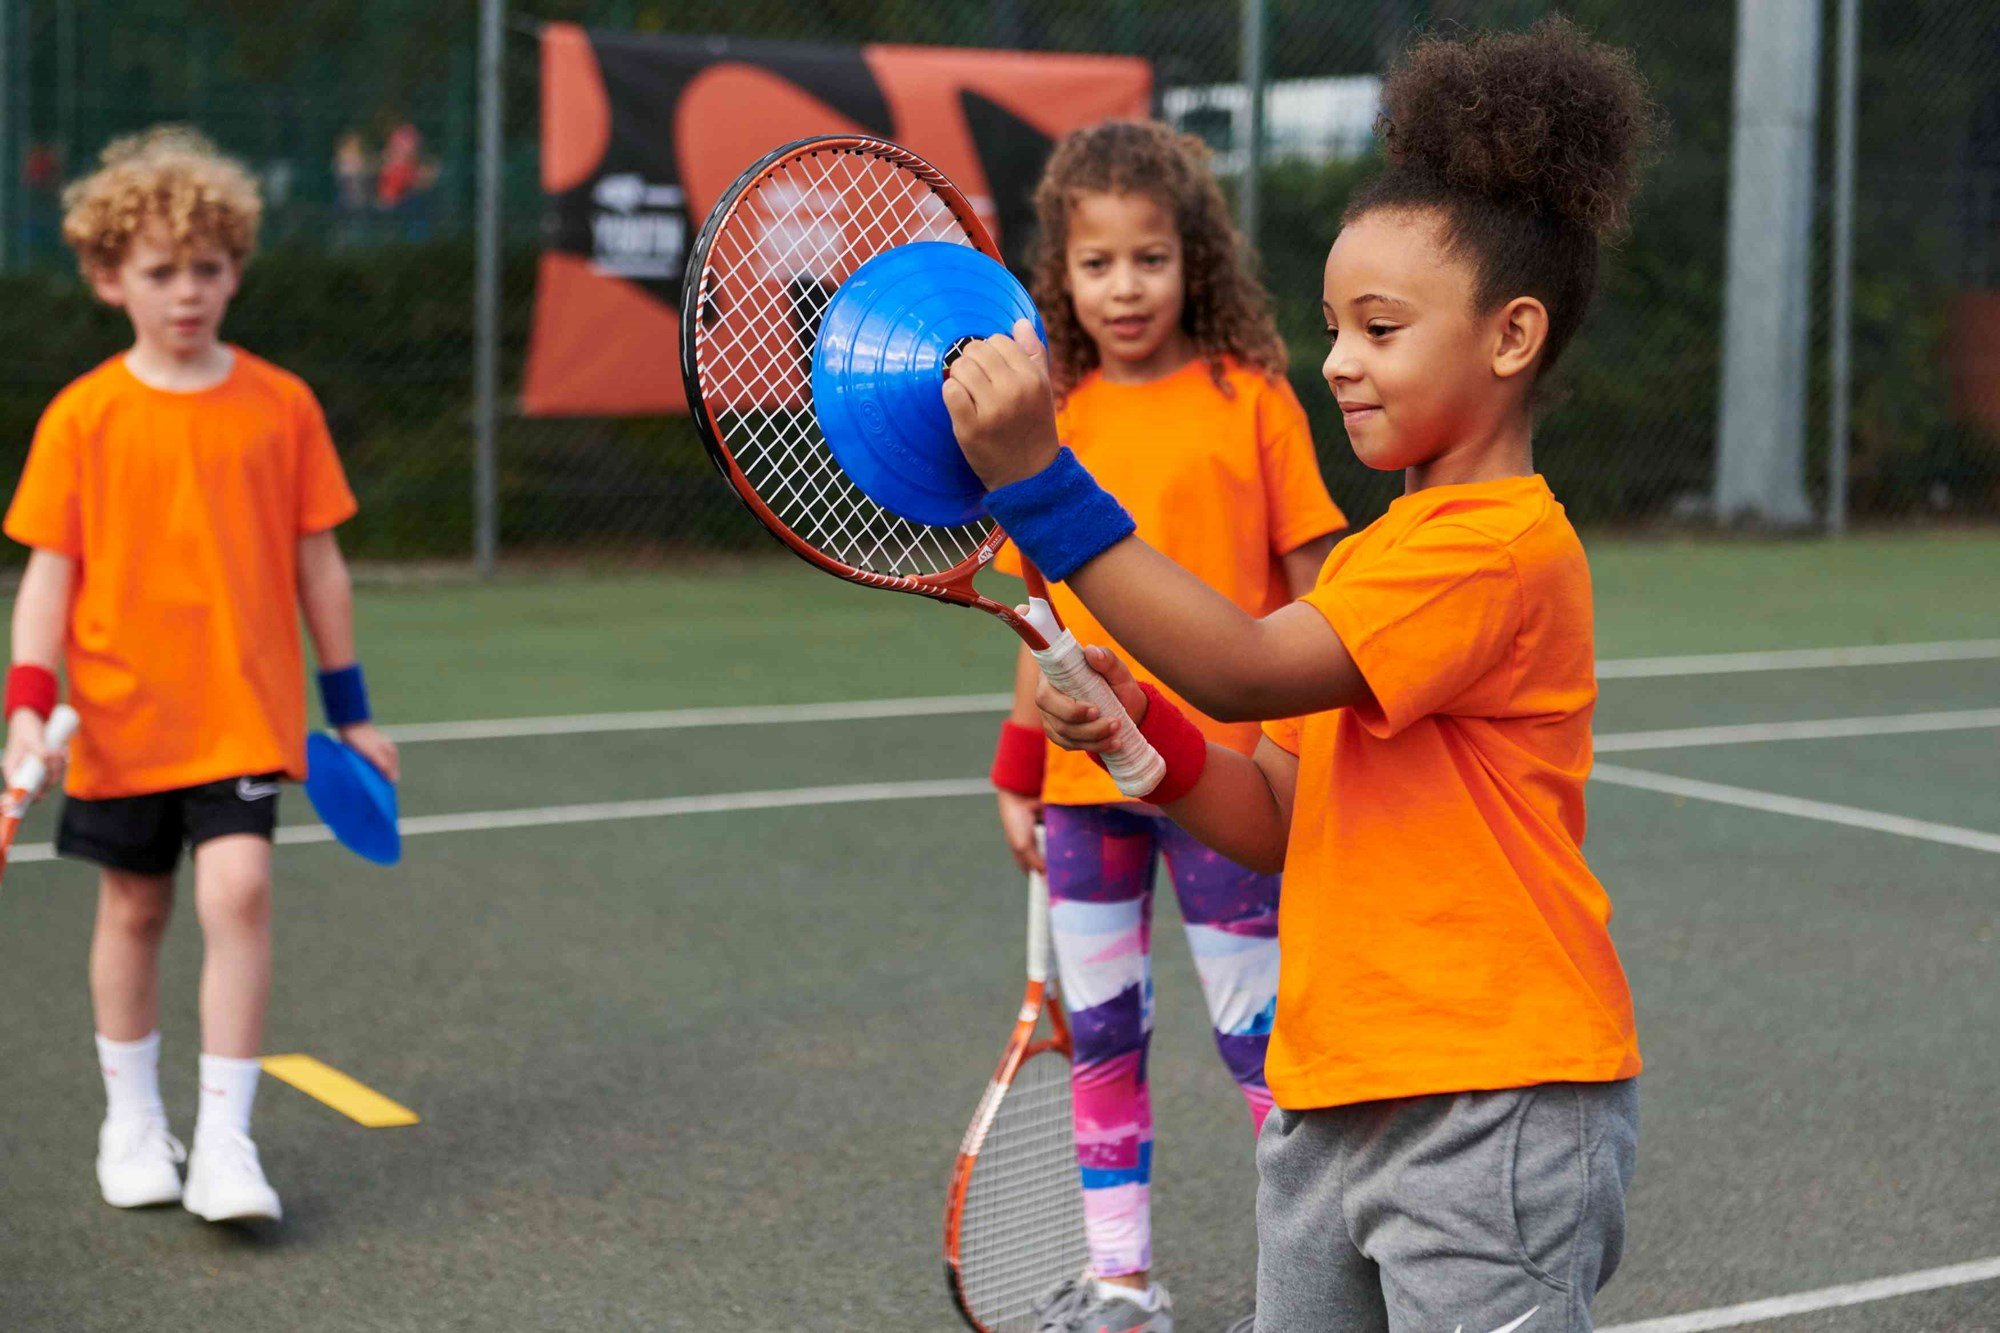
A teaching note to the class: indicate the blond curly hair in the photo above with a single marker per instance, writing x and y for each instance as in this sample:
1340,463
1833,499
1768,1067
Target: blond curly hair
170,175
1227,315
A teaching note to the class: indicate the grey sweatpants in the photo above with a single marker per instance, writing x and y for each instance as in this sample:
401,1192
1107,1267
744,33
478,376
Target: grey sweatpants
1475,1212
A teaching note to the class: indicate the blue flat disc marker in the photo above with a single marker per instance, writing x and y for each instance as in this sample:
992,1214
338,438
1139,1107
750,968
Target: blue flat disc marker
878,373
353,798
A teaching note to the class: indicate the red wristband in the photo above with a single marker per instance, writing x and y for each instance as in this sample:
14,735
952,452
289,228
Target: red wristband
31,687
1019,758
1179,742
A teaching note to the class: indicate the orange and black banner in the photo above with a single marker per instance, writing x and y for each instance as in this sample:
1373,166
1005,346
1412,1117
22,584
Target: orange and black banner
641,134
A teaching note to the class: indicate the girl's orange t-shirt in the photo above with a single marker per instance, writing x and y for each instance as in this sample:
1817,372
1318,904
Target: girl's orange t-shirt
1438,927
1224,483
183,512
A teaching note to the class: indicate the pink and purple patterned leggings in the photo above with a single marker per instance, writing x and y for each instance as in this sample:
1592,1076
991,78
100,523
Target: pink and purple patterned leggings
1101,860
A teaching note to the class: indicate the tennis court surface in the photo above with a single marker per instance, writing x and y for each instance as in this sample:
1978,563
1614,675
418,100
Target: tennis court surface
693,977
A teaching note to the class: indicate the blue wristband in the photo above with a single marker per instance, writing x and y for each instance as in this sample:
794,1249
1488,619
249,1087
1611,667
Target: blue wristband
344,696
1060,517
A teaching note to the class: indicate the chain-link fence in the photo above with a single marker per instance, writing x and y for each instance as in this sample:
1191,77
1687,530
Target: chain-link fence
359,116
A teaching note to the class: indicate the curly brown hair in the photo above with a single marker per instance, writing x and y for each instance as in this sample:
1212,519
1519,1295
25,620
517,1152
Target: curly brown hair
171,175
1226,314
1530,146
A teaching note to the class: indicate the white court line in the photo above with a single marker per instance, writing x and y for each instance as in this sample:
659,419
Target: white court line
480,821
1773,803
1826,1298
852,794
675,719
1799,659
1750,733
940,705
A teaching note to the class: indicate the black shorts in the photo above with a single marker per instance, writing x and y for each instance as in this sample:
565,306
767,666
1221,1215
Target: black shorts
145,834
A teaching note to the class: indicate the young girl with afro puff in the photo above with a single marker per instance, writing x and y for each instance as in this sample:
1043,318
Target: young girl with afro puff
1454,1057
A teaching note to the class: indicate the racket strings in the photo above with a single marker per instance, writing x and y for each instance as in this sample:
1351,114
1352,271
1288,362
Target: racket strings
1021,1230
771,272
846,521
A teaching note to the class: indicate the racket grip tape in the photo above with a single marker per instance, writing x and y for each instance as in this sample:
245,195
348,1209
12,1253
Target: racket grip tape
1038,917
1133,763
55,736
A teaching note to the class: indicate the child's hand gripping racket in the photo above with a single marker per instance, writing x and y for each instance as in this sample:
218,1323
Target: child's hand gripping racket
25,783
1013,1222
826,294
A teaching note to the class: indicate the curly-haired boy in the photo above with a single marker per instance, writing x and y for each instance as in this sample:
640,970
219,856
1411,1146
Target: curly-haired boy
180,500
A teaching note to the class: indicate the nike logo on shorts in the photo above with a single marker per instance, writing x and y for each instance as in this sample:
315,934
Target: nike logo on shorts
1509,1328
247,790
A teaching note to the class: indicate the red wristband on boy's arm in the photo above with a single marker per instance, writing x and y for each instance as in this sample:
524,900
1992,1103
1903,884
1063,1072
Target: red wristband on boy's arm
1019,758
1180,743
31,687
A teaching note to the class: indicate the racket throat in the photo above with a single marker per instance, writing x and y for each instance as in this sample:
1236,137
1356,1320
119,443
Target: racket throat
1043,620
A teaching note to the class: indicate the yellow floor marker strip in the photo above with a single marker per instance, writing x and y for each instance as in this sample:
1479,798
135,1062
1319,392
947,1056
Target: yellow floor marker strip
355,1100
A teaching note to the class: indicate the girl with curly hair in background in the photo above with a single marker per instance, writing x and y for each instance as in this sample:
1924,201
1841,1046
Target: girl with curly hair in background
1171,375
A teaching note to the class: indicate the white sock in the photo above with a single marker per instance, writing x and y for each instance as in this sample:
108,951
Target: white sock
1149,1299
131,1076
228,1089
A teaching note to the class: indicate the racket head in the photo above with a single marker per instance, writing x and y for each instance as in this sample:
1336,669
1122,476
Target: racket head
1014,1225
766,263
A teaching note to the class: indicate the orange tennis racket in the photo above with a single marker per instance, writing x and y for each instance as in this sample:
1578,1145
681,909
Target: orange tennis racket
1013,1220
769,258
25,783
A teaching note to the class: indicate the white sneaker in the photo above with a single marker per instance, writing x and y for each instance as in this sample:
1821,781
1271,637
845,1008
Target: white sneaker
225,1181
136,1161
1097,1307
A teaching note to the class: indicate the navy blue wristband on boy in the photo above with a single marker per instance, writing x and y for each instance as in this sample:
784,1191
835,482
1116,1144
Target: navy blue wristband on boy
344,696
1060,517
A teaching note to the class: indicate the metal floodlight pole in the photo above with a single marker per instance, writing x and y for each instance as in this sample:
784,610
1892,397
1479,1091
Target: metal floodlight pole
1253,90
486,297
1840,371
1766,333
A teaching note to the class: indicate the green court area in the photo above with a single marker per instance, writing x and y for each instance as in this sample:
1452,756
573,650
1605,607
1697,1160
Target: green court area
694,1006
771,631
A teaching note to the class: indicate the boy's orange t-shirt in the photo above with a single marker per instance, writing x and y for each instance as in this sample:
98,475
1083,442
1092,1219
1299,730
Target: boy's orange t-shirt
1224,484
1438,928
183,512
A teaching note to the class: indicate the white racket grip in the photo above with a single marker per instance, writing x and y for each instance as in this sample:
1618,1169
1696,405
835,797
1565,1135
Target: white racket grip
1132,761
1038,922
55,736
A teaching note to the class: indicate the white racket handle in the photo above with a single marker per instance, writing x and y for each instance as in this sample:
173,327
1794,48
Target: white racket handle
1038,918
1132,761
55,736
